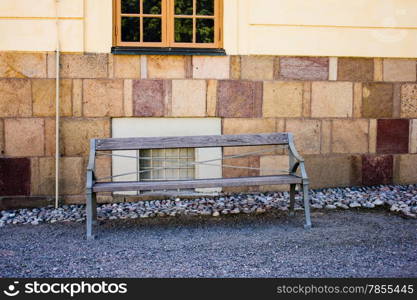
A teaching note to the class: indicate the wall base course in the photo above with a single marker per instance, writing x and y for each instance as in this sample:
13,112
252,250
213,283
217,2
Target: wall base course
341,126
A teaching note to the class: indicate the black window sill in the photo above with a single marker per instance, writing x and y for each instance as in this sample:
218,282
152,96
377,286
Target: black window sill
167,51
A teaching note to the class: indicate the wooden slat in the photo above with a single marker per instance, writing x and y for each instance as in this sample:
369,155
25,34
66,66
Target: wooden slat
195,183
201,141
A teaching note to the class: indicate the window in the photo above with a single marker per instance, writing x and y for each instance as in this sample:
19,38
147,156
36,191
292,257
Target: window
168,23
129,165
166,164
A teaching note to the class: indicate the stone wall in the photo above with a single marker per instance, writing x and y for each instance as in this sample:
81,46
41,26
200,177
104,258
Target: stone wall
354,119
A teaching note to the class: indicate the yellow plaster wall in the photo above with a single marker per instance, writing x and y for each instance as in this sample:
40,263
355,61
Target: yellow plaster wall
375,28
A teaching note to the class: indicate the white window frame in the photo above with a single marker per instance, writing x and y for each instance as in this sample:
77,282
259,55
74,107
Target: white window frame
151,127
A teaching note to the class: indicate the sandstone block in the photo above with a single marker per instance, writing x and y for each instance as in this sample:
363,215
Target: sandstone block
350,136
211,67
306,135
167,66
24,137
16,99
332,99
22,65
399,69
282,99
103,98
304,68
76,134
188,98
257,67
239,99
43,95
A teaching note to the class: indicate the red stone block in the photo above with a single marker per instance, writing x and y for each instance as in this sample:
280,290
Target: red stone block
392,136
304,68
377,169
14,176
149,98
239,99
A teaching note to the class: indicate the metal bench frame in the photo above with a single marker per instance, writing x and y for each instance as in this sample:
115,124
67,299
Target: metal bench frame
112,144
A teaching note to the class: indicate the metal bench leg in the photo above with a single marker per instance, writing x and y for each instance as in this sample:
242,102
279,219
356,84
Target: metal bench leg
306,206
90,213
292,199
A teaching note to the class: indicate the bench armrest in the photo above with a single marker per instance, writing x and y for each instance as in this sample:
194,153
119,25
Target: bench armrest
91,165
296,160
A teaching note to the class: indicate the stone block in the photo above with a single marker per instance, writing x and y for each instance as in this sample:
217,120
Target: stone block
306,135
1,137
76,134
167,66
355,69
413,136
103,167
22,65
79,65
245,162
189,98
399,69
405,169
16,98
326,136
43,96
127,97
332,99
50,129
77,97
409,101
377,169
333,171
126,66
150,97
392,136
350,136
211,98
249,126
24,137
235,67
239,99
377,101
274,165
282,99
14,176
372,135
103,98
304,68
43,176
257,67
211,67
72,175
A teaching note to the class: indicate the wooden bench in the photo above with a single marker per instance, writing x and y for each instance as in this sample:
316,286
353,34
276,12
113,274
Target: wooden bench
114,144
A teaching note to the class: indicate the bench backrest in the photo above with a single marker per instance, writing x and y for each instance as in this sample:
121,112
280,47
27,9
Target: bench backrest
202,141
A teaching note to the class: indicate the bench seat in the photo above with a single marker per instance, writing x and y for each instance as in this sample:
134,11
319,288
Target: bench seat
195,183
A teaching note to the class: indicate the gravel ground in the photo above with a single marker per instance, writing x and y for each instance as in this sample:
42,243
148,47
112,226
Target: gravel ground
343,243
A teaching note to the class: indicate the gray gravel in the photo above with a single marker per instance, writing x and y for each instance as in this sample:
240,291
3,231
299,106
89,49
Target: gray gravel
401,199
343,243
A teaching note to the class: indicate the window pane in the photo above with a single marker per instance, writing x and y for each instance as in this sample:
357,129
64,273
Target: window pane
130,6
152,30
205,7
152,7
130,29
205,31
183,7
183,30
